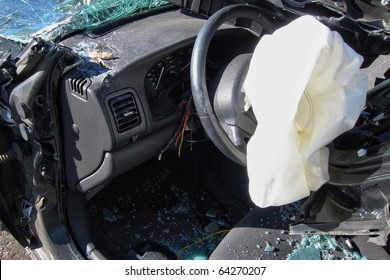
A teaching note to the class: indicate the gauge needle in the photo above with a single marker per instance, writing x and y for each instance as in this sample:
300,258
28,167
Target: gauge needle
159,78
188,64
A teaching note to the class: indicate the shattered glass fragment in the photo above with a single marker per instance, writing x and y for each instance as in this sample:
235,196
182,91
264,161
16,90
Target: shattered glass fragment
200,257
109,215
269,247
289,211
305,253
212,213
322,247
212,227
180,208
223,223
291,242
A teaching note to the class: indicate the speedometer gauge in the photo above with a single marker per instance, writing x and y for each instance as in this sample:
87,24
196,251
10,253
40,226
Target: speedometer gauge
168,70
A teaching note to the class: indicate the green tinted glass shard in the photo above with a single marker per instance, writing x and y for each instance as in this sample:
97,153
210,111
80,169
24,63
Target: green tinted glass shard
316,247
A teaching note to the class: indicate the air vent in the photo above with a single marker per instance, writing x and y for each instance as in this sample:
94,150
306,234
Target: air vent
125,112
79,85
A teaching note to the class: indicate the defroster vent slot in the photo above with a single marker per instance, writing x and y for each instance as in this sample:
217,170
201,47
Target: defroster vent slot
79,85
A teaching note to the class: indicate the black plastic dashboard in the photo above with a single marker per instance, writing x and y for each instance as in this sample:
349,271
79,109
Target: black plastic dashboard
120,103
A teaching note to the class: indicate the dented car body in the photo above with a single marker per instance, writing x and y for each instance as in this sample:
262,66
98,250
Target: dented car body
108,149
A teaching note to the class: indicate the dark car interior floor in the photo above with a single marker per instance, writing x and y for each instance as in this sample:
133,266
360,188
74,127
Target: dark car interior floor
175,207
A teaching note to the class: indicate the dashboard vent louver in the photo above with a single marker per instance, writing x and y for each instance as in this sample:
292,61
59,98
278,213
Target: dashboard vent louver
125,111
79,85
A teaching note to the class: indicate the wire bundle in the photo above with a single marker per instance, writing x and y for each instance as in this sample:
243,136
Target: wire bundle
179,134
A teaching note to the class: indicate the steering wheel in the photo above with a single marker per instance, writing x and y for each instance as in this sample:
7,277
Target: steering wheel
230,125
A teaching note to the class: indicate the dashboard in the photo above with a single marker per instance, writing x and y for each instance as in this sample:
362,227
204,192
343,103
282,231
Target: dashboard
116,116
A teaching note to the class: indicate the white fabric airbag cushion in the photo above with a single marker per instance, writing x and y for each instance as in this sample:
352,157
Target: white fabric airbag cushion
306,88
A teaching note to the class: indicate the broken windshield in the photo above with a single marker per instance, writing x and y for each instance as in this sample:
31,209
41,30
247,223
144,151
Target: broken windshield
52,19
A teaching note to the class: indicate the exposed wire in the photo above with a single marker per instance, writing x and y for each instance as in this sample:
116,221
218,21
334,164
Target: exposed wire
174,136
183,125
205,238
178,136
182,131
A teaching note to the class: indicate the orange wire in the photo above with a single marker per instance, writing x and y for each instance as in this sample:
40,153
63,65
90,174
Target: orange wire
184,125
207,237
182,134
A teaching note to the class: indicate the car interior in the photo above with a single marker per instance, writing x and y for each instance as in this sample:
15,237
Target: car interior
140,176
113,158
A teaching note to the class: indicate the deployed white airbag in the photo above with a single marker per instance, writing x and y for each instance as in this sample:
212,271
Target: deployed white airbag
305,87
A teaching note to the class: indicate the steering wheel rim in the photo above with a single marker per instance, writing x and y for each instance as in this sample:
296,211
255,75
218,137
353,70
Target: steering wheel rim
198,74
